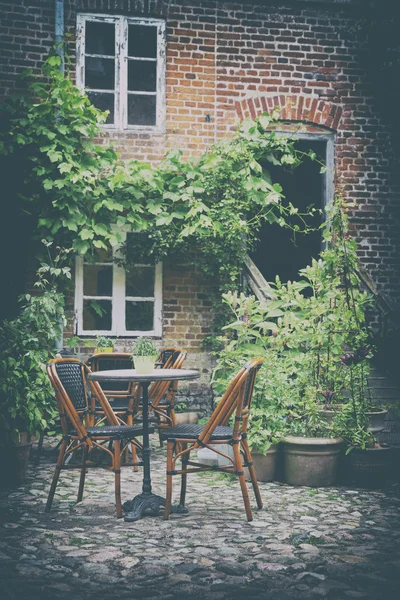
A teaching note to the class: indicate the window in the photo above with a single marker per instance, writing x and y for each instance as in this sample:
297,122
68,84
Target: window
121,64
112,301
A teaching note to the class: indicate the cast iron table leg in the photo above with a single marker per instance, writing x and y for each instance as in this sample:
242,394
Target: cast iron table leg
146,502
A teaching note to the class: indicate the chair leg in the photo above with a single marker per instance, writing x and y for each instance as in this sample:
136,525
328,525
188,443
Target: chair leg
185,459
56,475
168,495
253,474
240,473
117,471
83,473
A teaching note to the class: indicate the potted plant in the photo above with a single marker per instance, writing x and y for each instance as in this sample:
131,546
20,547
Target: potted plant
27,403
104,344
144,355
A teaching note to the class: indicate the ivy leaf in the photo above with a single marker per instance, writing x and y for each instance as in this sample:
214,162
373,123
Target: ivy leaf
64,167
100,229
86,234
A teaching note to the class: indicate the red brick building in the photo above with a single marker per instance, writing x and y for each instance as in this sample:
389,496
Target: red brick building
184,73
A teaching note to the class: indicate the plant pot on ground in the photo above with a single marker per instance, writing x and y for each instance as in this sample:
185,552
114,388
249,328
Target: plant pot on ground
311,461
14,463
371,467
144,355
265,464
27,402
376,417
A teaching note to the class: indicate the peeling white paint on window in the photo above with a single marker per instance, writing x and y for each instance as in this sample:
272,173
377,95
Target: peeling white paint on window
121,65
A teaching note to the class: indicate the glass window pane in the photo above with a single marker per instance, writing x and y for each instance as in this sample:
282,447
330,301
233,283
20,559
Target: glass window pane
140,281
139,316
141,110
97,315
99,73
142,41
103,102
142,76
100,38
97,280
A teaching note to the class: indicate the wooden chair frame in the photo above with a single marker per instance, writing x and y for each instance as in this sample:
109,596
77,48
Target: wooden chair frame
236,401
74,425
125,415
162,393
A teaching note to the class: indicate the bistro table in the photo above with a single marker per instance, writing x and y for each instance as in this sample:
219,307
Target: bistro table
146,502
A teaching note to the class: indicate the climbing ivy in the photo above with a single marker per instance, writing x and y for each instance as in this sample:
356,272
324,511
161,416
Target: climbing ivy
82,195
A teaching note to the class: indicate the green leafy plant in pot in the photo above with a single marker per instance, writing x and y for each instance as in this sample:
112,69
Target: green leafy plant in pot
246,337
144,354
27,403
104,344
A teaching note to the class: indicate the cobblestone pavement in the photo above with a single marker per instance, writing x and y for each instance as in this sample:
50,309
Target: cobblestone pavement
334,543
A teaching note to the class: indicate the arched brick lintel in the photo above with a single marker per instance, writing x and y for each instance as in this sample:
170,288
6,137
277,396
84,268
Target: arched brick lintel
307,109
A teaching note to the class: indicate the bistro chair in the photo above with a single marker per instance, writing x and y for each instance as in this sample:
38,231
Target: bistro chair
183,439
76,407
162,393
121,394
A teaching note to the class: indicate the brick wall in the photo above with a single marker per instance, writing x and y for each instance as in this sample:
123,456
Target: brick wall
228,60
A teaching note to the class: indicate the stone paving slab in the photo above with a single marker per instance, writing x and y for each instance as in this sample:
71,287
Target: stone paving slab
332,543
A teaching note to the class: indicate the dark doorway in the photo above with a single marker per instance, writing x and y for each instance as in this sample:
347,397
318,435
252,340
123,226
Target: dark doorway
276,253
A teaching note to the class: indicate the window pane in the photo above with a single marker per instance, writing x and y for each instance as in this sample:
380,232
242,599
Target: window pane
142,41
97,280
100,38
99,73
103,102
141,110
97,315
140,281
142,76
139,316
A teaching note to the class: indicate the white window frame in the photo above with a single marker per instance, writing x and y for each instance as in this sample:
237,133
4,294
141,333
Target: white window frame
118,300
121,68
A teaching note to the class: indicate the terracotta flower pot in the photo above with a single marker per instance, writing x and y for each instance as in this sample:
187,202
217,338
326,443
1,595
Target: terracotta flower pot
311,461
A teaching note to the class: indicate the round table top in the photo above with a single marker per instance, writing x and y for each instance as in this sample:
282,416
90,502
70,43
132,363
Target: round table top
156,375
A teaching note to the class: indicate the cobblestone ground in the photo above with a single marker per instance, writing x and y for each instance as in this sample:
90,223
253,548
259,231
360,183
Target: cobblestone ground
335,543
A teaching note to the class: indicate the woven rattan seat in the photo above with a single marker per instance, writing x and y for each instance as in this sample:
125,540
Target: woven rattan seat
120,432
192,432
234,407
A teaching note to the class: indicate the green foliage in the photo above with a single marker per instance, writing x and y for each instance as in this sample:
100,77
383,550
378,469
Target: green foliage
144,347
82,194
303,335
104,342
27,400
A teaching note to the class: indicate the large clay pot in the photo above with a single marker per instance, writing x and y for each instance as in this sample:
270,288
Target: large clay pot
376,418
14,461
311,461
370,467
265,465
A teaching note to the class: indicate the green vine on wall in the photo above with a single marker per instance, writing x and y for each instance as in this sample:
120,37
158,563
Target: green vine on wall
81,194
